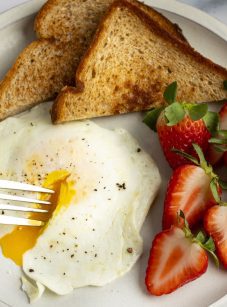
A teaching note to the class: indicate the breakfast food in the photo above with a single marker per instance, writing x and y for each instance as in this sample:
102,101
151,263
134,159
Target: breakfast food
215,225
218,148
180,125
104,183
189,190
126,70
67,20
181,136
64,30
175,259
194,193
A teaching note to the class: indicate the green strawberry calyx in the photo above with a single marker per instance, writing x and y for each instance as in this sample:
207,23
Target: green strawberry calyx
219,140
208,169
205,242
174,111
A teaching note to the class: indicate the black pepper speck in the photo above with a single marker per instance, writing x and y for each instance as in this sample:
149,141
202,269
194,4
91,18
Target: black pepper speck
130,250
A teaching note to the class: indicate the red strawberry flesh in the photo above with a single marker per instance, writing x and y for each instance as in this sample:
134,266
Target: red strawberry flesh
215,223
181,136
189,191
174,261
213,156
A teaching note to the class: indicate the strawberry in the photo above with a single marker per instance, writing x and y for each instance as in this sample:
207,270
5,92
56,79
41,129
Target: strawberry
181,136
179,125
216,150
215,222
175,259
190,190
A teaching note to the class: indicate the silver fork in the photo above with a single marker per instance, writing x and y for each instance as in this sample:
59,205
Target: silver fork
13,185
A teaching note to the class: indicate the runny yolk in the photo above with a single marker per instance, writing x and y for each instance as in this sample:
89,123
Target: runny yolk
23,238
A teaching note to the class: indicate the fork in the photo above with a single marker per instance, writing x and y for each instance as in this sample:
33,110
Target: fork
13,185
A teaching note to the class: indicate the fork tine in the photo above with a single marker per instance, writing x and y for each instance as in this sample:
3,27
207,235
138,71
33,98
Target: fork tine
22,209
23,199
10,220
12,185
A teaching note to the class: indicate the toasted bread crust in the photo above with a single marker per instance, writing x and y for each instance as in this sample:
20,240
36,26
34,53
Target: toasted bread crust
72,44
61,114
153,26
20,89
47,8
42,14
186,48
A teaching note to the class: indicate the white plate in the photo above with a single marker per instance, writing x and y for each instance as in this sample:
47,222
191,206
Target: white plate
207,35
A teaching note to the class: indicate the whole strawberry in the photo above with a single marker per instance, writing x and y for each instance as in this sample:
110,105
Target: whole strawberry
179,125
181,136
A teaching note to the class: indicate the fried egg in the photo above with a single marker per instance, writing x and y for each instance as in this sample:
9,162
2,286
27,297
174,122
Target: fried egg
104,185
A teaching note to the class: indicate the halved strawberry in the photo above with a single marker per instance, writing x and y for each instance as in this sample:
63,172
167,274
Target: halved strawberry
214,155
190,190
215,223
174,261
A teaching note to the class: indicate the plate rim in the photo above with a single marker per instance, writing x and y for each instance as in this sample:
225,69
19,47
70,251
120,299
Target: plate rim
186,11
181,9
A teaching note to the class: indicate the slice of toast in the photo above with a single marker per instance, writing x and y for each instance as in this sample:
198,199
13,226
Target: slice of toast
36,76
67,20
129,64
65,29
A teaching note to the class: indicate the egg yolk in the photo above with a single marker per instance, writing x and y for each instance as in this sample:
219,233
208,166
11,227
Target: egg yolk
23,238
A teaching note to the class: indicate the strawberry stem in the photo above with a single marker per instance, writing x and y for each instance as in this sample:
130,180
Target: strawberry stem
210,247
223,184
214,183
186,229
186,155
214,190
200,239
219,140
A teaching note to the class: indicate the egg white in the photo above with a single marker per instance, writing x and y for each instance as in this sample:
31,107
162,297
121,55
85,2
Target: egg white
96,238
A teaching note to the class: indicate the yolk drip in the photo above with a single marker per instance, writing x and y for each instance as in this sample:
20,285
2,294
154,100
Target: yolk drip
23,238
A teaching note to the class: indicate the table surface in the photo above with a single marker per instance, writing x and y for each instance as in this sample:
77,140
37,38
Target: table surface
216,8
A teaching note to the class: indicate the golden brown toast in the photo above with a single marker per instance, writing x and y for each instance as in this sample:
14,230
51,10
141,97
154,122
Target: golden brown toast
65,29
129,64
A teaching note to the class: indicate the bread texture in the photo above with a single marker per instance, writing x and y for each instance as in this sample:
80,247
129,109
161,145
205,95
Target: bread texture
127,70
64,29
77,20
35,77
